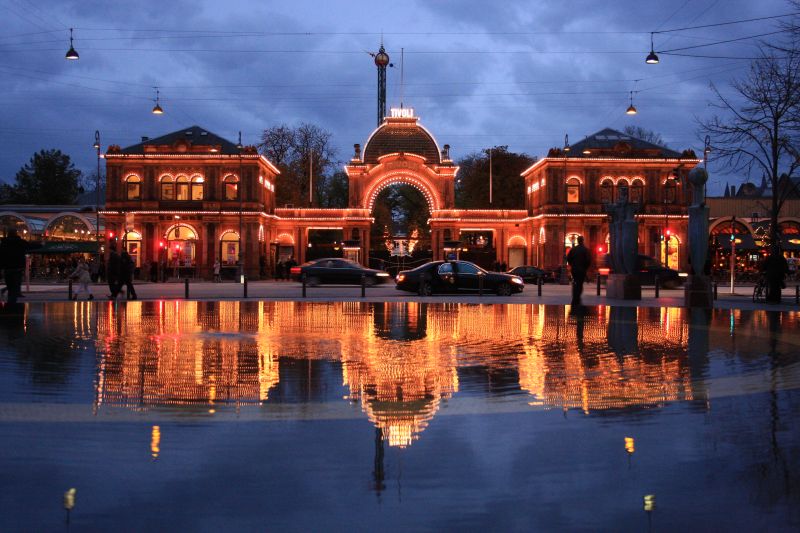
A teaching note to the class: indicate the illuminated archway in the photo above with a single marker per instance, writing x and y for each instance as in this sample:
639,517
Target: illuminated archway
418,182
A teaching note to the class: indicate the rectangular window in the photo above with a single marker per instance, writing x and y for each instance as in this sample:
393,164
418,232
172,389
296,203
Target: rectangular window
167,191
197,191
183,191
134,191
231,191
573,194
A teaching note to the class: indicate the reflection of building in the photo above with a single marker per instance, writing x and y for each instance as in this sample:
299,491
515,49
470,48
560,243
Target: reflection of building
206,353
573,368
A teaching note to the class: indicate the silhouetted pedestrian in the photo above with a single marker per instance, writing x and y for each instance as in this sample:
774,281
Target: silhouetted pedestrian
12,259
579,261
113,271
127,269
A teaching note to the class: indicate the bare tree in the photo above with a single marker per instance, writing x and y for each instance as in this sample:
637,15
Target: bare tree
303,155
644,134
759,127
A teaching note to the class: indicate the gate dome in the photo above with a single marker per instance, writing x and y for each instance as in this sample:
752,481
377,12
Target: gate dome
404,135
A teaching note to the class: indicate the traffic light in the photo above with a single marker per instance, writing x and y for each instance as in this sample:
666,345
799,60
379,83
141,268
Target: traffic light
599,249
733,237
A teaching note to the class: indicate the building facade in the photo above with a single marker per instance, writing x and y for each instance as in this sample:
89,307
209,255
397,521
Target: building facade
567,191
188,199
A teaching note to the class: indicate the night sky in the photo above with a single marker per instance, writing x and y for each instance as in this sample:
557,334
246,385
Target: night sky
478,73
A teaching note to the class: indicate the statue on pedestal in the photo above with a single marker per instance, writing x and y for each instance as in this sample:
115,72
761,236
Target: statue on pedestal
698,289
623,230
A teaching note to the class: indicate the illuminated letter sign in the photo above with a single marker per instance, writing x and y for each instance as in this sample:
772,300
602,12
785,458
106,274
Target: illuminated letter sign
402,112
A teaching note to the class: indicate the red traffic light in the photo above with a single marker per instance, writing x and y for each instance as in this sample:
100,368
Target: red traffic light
669,232
160,244
110,234
599,249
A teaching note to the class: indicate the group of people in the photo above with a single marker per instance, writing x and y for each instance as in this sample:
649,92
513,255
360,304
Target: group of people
120,269
283,269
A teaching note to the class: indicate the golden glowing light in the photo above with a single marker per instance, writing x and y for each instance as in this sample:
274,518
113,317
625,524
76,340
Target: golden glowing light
629,445
155,441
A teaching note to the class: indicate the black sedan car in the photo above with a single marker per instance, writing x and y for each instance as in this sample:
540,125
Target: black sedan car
335,270
456,276
531,274
647,268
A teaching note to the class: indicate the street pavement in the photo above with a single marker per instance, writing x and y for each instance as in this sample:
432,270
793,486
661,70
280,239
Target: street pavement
292,291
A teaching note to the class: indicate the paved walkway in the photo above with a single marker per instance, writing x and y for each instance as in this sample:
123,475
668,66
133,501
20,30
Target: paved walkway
277,290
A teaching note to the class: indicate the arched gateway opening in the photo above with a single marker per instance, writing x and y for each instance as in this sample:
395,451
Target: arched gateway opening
400,233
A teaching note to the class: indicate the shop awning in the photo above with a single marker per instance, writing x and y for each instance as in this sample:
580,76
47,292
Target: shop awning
76,247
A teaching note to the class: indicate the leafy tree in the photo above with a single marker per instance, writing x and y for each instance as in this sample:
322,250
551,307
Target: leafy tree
298,152
644,134
760,129
49,178
508,188
401,207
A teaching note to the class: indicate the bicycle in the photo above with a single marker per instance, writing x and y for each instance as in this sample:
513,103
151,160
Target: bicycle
760,289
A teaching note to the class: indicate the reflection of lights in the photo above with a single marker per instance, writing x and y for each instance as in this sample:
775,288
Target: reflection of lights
649,502
212,353
629,445
155,441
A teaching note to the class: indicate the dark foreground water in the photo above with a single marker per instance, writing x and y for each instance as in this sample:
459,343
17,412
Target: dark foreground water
223,416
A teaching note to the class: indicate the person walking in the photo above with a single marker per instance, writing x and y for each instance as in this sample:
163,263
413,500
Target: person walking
127,269
579,261
83,274
94,269
12,260
217,266
113,271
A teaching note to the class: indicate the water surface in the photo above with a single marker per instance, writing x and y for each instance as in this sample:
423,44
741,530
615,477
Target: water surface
341,416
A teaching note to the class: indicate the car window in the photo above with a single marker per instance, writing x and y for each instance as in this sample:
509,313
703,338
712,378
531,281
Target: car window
467,268
339,264
327,264
446,268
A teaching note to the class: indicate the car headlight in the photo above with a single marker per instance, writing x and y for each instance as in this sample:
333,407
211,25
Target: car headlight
517,280
382,275
401,277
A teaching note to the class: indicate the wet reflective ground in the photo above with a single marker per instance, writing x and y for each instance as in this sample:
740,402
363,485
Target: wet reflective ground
355,416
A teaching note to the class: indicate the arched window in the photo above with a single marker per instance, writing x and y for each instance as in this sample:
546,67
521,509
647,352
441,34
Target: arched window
181,245
623,189
68,228
167,188
670,191
133,187
182,188
637,191
573,191
606,191
197,187
231,184
229,247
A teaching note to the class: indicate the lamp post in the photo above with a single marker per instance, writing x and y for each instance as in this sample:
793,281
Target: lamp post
97,193
733,252
706,150
563,279
239,147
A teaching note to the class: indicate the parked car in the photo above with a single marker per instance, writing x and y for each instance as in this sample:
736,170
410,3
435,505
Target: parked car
456,276
647,268
531,274
335,270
